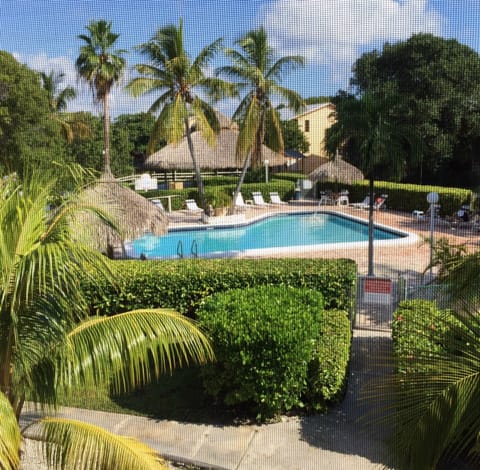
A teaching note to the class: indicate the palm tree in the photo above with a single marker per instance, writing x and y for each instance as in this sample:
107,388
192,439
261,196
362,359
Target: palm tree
258,72
172,73
48,343
383,140
101,68
58,99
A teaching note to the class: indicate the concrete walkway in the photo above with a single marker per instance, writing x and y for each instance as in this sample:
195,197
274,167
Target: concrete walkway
332,441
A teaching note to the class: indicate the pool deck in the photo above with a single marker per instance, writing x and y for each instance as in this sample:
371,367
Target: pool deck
396,259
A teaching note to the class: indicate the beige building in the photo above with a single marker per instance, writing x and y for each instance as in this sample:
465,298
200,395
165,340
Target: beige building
313,123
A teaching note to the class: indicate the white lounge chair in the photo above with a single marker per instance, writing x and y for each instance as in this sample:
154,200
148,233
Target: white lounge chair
258,199
326,200
275,198
240,203
362,205
192,205
158,203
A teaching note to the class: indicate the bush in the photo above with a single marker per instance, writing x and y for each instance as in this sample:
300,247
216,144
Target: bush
420,330
184,284
328,370
263,340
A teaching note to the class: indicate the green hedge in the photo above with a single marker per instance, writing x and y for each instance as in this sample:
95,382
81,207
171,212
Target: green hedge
420,330
263,338
406,197
327,371
184,284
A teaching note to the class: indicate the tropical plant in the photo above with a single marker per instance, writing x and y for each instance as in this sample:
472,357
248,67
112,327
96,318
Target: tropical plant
101,67
49,344
431,402
71,123
383,138
172,73
258,72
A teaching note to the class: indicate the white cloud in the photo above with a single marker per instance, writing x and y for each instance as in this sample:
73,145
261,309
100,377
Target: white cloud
121,102
333,33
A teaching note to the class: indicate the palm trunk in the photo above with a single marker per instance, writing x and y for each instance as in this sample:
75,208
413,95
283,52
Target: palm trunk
198,176
106,136
370,228
257,145
246,164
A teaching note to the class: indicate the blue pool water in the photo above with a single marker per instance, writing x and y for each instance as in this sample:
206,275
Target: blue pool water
286,232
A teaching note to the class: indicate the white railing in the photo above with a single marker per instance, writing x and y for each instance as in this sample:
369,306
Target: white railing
172,176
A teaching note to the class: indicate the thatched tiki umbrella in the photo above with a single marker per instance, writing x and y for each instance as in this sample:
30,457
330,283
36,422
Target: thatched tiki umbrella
337,170
132,214
220,156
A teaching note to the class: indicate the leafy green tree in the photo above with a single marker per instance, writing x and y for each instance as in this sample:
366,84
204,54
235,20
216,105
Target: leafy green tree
258,72
293,137
382,138
48,343
70,123
27,136
172,73
101,67
437,81
130,136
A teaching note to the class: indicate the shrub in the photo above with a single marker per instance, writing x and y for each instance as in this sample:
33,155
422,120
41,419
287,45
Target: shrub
420,330
263,340
328,369
183,284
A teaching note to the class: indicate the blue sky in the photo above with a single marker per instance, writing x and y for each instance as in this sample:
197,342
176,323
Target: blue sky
330,34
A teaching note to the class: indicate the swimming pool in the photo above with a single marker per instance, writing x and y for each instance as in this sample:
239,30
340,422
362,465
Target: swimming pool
276,234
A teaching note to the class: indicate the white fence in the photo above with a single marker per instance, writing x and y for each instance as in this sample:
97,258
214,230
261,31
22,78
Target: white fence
176,176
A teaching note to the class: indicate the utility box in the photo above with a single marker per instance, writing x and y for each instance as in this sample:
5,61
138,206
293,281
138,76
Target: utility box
175,185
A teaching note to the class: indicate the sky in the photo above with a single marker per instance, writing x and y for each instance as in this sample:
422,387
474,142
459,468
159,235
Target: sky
329,34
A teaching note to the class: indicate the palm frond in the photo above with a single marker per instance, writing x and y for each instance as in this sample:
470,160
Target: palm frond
10,439
284,64
248,129
120,347
206,120
75,444
207,54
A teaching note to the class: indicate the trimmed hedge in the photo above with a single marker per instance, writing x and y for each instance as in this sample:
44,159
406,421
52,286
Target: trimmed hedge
263,338
406,197
420,330
184,284
328,370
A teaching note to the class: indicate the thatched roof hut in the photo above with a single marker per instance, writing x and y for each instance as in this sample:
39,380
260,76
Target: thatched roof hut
132,214
337,170
220,156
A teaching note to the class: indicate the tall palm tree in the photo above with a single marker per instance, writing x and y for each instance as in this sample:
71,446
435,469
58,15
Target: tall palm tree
257,72
172,73
58,99
48,343
101,67
383,140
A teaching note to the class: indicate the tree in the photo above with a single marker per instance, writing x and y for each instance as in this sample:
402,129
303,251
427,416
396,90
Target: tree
293,137
48,343
437,81
70,123
130,136
259,73
101,68
381,136
27,136
176,76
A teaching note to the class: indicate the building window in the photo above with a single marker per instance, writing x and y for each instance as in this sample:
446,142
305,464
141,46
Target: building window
307,125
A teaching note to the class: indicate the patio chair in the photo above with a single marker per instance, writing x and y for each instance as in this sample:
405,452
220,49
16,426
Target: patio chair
361,205
192,206
258,199
326,199
158,204
275,198
241,204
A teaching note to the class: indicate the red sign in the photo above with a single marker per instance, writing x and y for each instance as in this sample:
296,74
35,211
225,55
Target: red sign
378,286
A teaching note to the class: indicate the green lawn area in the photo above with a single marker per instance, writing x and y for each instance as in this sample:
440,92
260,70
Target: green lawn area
176,397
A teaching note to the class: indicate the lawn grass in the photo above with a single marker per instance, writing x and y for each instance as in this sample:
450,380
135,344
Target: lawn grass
178,397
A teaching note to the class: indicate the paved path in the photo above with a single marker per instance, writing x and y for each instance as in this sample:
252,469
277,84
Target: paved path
332,441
